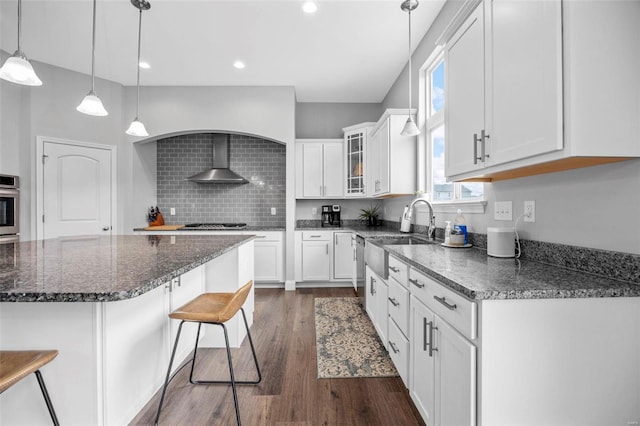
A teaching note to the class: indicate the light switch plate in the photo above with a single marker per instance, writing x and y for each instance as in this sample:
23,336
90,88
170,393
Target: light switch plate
503,210
173,211
273,211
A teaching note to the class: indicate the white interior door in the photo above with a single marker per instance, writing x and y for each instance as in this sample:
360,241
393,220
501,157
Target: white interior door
77,190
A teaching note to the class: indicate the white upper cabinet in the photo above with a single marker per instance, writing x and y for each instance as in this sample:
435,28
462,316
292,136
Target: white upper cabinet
391,158
319,168
522,82
355,142
504,85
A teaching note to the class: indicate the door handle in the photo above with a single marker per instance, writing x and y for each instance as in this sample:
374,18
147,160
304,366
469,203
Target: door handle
416,283
106,228
429,343
475,149
394,269
443,300
483,137
393,301
394,347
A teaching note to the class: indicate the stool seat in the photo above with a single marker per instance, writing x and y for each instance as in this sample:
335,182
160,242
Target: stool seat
207,307
16,365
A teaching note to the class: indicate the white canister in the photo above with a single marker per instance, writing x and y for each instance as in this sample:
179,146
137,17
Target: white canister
501,242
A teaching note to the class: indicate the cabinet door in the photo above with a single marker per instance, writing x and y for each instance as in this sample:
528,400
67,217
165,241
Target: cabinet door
383,159
312,184
382,310
355,171
316,265
455,379
370,295
267,261
342,255
464,109
422,364
333,170
524,102
373,164
184,289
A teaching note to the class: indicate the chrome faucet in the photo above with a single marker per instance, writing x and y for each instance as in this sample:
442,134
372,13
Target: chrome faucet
431,233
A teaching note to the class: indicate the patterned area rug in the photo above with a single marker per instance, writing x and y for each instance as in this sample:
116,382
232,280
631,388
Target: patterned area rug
346,341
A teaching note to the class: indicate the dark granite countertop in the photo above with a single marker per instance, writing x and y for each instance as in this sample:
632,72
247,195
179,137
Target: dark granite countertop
472,273
90,269
245,229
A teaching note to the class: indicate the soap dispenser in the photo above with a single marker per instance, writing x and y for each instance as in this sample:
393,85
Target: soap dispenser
447,233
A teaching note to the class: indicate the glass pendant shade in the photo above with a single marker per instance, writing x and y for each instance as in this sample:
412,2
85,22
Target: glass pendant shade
18,69
92,105
137,128
410,128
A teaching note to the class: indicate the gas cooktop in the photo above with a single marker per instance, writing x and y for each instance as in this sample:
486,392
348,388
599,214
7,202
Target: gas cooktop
209,226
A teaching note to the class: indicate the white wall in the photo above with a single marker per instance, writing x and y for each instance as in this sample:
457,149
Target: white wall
597,207
316,120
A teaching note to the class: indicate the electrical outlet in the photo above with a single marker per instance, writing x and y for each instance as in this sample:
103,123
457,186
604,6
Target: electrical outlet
173,211
503,210
273,211
529,211
314,210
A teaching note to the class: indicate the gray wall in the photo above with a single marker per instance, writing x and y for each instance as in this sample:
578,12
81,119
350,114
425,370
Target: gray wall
260,161
326,120
594,207
50,110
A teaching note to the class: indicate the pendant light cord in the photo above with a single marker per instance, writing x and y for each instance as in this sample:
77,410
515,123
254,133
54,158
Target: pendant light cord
409,61
93,51
138,64
19,25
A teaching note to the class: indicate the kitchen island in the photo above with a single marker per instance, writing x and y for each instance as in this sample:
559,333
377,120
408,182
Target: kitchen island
103,303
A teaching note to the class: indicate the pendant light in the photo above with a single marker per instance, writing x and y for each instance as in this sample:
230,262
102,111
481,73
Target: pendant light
137,128
410,128
91,104
17,68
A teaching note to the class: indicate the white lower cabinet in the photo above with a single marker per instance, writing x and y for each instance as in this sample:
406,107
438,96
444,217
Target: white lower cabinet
443,370
342,255
399,351
376,304
268,257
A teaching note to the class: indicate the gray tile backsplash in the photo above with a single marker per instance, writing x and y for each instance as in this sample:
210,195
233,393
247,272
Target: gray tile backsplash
261,162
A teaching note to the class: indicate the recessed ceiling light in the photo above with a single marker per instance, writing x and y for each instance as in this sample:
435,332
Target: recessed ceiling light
309,7
238,64
144,65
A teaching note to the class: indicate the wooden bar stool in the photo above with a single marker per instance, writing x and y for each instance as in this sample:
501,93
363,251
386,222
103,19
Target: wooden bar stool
16,365
217,309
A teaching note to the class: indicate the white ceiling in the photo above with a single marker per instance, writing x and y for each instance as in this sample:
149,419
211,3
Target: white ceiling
349,51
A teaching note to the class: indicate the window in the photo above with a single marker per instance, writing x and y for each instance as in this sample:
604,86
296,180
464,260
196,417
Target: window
438,187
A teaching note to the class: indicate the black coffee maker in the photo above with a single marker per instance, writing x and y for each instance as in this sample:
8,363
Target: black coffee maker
331,215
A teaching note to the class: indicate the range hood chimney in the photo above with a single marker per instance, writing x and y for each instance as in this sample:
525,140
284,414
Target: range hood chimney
220,172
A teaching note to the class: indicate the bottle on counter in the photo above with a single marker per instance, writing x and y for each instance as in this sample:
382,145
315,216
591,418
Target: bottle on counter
447,233
460,223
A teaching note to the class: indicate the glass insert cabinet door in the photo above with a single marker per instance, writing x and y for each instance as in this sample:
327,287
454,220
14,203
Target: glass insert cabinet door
355,163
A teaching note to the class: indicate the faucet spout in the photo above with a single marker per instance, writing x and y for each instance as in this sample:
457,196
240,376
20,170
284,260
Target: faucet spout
431,233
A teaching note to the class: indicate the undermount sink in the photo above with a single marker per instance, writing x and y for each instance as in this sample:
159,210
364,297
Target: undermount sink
403,240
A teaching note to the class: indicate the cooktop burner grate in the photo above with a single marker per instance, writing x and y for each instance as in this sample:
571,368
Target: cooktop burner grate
215,225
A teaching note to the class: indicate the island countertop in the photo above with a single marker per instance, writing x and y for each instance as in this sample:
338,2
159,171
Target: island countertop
97,268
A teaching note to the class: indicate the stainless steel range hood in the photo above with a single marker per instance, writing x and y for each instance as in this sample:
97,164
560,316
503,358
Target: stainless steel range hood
220,172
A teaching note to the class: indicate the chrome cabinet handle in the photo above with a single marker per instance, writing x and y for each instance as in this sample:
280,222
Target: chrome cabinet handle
429,333
443,300
483,137
475,148
393,301
373,287
425,343
416,283
327,246
315,236
393,347
394,269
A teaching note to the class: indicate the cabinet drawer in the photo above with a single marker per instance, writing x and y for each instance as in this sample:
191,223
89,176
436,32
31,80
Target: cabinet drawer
317,235
399,351
398,270
270,236
398,300
457,310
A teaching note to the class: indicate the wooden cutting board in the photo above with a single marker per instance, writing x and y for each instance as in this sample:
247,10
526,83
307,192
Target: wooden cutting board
164,228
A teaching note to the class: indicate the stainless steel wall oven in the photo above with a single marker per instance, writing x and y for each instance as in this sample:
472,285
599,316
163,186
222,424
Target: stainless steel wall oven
9,208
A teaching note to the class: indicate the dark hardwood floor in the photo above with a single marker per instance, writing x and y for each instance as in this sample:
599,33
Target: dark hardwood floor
290,392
